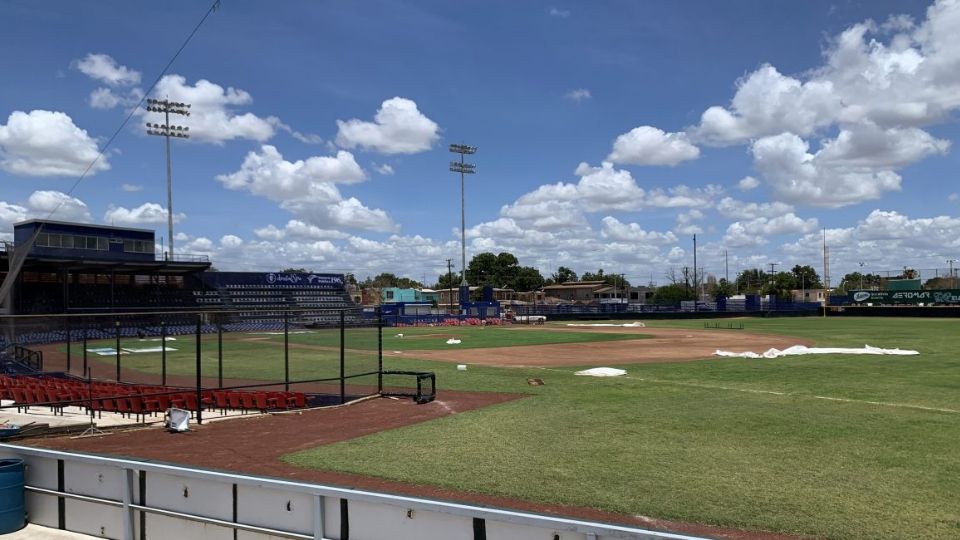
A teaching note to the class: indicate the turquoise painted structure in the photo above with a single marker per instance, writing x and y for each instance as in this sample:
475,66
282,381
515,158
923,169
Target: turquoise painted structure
396,294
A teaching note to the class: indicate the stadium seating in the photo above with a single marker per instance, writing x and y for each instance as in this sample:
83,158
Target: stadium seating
137,400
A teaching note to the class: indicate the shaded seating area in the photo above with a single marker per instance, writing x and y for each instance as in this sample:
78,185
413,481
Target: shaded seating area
137,401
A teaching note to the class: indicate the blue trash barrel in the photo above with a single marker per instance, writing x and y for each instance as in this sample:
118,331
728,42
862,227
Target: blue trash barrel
12,514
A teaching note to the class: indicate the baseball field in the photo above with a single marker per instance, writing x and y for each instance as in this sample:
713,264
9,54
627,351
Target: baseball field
824,446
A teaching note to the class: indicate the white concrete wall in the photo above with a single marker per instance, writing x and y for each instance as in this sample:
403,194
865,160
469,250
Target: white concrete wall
268,503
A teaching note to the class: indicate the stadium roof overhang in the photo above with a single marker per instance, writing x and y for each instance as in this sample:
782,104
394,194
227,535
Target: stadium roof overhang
95,266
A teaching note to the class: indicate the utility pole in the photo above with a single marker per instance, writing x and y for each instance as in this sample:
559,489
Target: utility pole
695,288
449,285
726,266
463,169
166,131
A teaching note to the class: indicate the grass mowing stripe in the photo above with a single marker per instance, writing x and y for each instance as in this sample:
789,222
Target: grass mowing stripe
775,393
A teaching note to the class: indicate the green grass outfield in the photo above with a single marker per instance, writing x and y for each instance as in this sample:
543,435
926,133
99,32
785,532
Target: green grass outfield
316,354
835,446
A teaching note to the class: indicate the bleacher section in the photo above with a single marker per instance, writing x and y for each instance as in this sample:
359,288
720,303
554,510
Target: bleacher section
264,297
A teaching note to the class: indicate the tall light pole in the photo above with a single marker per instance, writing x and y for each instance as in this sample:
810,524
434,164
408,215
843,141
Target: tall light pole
463,169
166,131
953,278
861,263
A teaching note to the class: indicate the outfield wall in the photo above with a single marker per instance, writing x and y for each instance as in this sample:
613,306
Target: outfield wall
136,500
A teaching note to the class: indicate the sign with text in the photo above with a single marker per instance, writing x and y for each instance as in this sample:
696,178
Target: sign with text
941,296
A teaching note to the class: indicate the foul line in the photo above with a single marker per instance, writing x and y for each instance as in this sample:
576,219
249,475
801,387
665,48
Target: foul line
774,393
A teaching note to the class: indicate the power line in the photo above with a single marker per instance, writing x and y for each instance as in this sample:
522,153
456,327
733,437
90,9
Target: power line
16,260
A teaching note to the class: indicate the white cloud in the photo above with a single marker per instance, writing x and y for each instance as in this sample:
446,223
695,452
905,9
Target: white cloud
384,169
756,232
747,183
212,117
578,95
307,188
131,188
104,98
647,145
600,189
686,222
59,206
298,229
398,128
732,208
556,12
104,68
858,165
146,213
12,213
899,74
953,197
45,143
614,229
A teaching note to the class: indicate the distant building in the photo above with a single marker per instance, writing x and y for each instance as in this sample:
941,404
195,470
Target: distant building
574,291
809,295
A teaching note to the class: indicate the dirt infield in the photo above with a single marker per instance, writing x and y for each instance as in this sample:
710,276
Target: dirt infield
665,345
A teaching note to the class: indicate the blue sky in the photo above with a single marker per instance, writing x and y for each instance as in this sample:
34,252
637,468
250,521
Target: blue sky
609,132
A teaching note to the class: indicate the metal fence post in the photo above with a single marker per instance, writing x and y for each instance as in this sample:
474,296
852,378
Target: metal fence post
379,351
286,351
199,382
343,386
163,353
117,332
219,353
68,344
85,326
127,501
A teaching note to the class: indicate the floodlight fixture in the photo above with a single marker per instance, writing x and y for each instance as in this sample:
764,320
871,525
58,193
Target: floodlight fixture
463,149
166,130
464,169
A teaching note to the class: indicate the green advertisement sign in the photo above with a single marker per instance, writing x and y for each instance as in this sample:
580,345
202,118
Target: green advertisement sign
913,298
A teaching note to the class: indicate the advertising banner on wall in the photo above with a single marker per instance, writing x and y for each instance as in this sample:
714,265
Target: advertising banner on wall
296,279
912,298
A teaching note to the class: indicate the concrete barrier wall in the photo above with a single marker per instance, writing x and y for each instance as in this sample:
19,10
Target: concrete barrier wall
135,500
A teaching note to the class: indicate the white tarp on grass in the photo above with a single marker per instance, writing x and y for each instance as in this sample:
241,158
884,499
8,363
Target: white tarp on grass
637,324
168,338
602,372
798,350
146,349
105,351
453,341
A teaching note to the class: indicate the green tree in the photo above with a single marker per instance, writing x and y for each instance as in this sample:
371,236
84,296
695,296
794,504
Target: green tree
295,271
723,288
673,294
806,277
752,281
855,281
563,275
614,280
527,279
450,280
387,279
780,285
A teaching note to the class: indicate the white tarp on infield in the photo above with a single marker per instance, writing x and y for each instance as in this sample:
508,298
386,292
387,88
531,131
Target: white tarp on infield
602,372
637,324
798,350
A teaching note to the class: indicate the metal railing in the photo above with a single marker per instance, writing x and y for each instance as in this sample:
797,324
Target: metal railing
131,503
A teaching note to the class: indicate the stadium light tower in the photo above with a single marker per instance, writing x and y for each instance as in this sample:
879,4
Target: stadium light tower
166,131
463,169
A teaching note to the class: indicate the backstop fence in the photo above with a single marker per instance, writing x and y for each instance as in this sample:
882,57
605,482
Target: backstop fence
300,357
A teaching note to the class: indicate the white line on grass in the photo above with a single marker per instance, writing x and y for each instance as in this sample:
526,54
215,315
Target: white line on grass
775,393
